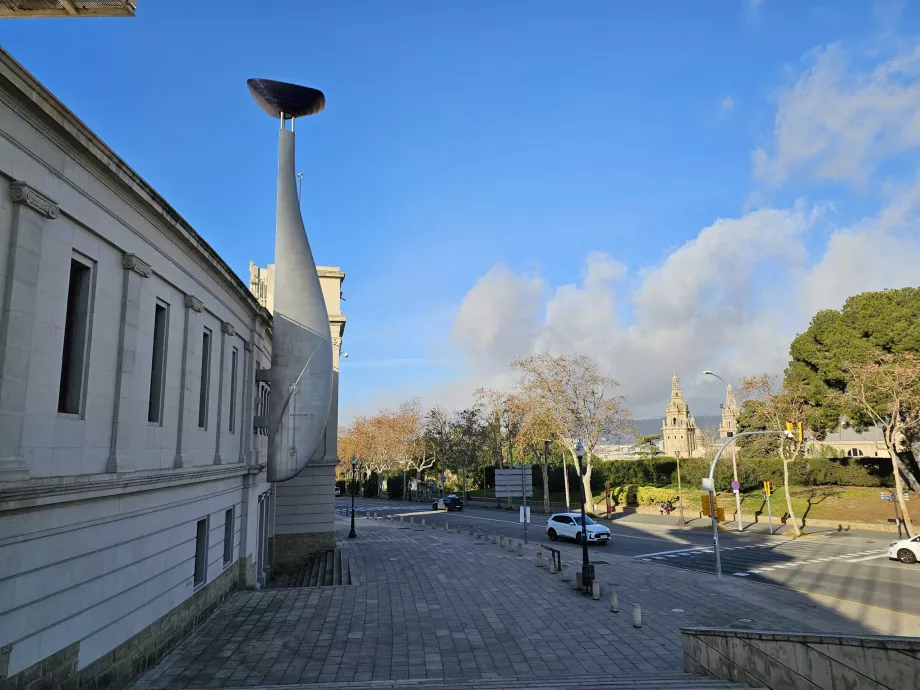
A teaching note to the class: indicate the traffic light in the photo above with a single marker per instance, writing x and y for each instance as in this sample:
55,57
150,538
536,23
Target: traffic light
768,488
794,431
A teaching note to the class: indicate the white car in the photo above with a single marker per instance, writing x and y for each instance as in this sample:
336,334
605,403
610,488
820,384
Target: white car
338,491
568,525
906,550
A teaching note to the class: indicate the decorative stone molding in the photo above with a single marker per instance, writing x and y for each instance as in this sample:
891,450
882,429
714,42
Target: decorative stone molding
23,193
268,333
132,262
337,343
192,302
248,346
227,327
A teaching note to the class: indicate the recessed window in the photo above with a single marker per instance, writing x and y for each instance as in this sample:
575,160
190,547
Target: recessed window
233,358
76,331
157,364
201,551
203,394
228,536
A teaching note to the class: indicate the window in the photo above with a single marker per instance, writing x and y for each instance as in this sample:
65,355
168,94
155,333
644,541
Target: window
157,365
228,536
205,379
233,358
76,330
201,552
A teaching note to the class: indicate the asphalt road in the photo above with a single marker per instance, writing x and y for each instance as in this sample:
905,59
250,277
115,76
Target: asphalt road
852,567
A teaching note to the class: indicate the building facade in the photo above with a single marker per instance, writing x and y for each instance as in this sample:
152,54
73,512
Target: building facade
728,427
133,490
679,433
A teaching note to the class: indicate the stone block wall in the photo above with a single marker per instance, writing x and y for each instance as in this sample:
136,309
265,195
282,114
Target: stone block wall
784,661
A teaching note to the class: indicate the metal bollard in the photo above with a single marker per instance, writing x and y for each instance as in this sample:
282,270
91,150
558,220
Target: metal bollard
520,548
402,519
367,515
539,559
458,529
493,538
565,572
637,616
433,526
552,567
511,545
578,580
423,523
376,515
471,530
614,603
501,541
412,521
446,526
596,591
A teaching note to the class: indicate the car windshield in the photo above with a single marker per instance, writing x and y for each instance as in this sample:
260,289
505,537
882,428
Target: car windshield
588,521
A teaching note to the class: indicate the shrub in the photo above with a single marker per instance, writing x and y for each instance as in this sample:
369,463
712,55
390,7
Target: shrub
651,496
369,489
395,487
624,495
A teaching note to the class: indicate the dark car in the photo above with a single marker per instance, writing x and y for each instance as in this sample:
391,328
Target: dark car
451,502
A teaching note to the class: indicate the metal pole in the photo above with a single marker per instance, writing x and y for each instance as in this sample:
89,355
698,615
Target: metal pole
524,493
715,532
738,492
769,514
680,494
897,517
353,534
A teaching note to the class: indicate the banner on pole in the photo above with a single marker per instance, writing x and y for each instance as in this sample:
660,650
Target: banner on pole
514,482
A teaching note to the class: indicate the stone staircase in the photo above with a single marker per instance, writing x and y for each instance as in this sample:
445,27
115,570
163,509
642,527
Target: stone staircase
327,569
675,680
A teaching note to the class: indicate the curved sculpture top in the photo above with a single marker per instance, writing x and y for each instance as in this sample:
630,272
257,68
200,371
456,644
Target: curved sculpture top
276,97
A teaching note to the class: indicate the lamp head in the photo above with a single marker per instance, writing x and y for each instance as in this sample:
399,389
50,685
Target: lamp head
579,451
354,460
708,373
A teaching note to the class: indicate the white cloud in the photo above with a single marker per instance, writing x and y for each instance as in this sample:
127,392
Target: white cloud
839,124
726,104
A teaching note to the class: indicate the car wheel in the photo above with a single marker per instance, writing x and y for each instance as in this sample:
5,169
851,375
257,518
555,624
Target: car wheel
460,508
604,543
552,535
907,556
434,506
578,538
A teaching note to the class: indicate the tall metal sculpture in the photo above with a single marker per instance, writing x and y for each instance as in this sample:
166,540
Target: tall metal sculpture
301,371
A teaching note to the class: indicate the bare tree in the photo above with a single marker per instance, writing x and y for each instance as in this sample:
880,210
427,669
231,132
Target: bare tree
887,388
581,403
770,408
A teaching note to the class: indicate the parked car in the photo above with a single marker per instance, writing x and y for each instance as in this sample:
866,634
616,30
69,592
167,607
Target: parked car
905,550
568,525
448,503
338,491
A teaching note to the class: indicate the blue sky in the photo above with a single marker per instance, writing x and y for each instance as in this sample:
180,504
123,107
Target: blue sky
473,155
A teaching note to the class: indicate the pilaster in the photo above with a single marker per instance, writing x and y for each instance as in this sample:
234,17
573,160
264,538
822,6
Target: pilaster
127,390
193,307
225,330
31,210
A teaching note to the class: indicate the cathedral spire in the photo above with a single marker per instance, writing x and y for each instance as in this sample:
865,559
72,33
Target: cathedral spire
675,386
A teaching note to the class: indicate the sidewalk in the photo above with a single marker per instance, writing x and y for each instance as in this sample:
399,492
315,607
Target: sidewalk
436,604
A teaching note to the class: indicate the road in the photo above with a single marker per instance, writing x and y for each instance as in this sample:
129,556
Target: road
852,566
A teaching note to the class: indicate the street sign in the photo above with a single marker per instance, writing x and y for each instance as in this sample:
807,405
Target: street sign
443,478
891,496
524,515
708,484
736,485
886,497
514,482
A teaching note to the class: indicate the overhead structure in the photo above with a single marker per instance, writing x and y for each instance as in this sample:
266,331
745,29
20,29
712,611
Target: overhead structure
67,8
301,372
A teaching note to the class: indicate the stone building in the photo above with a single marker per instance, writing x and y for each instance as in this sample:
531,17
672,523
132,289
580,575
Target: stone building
133,490
728,427
679,433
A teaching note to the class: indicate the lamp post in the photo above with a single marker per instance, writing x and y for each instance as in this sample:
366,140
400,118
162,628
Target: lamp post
354,483
734,462
680,494
587,570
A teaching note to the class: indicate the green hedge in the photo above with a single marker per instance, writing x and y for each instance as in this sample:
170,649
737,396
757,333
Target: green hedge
632,495
752,472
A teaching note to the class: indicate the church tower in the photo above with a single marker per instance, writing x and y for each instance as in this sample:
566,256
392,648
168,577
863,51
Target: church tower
678,432
729,425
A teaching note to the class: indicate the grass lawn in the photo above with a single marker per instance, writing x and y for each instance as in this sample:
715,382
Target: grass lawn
851,503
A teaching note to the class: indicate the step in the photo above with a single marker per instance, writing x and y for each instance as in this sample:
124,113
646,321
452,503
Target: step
337,566
329,558
675,680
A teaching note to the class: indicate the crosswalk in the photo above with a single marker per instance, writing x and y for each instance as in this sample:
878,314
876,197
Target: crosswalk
749,560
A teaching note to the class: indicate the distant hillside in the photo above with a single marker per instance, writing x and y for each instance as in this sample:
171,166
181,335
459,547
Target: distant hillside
650,427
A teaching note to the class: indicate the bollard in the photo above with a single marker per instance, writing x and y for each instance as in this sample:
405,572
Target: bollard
501,541
552,567
402,519
446,526
376,515
637,616
412,521
511,545
433,526
458,529
539,559
423,523
596,591
565,572
471,530
614,604
493,538
367,515
520,549
578,581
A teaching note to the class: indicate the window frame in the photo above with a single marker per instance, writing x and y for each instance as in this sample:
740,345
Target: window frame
91,267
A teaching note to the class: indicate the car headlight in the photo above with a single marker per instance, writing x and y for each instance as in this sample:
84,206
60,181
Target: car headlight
892,544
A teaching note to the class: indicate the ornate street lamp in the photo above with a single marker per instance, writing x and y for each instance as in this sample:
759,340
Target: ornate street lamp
354,483
587,570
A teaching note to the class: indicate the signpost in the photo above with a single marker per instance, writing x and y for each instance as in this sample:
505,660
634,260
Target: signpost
897,516
517,481
524,516
767,490
607,493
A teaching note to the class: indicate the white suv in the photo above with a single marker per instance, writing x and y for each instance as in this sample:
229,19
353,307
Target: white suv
906,550
569,525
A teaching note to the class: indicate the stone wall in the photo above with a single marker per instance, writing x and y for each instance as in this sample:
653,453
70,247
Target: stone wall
784,661
287,552
125,663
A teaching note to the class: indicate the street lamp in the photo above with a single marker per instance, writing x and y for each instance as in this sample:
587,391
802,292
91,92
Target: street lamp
587,570
734,462
354,483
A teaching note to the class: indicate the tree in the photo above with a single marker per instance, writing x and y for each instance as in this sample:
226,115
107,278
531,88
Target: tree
887,390
768,409
869,325
469,434
536,431
648,446
505,418
580,402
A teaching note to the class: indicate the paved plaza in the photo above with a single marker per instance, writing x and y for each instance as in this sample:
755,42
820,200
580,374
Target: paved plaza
435,604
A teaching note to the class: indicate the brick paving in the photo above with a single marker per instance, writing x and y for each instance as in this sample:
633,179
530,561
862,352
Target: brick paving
433,604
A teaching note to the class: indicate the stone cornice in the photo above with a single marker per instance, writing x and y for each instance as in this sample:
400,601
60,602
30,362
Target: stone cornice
192,302
24,193
227,327
132,262
248,346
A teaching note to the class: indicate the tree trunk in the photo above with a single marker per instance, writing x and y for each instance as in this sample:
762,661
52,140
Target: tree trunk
565,478
899,488
795,523
586,482
405,473
545,466
905,470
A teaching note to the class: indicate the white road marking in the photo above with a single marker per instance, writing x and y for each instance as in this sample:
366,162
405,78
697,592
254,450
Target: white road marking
741,574
684,551
868,558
